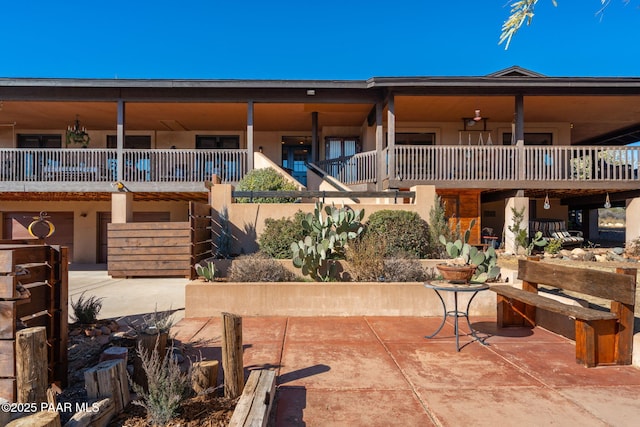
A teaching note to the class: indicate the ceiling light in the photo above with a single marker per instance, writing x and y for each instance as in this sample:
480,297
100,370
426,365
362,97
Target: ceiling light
311,92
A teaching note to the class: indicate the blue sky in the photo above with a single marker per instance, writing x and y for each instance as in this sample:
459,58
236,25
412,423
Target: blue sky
212,39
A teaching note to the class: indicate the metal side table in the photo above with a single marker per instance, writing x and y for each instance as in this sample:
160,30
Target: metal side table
446,286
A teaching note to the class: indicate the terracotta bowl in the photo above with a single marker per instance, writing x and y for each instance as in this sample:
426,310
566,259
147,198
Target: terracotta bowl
456,273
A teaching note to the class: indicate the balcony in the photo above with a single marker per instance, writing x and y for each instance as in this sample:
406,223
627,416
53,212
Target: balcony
98,169
447,166
456,166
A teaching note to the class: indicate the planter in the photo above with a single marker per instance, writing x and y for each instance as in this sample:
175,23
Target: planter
300,299
456,273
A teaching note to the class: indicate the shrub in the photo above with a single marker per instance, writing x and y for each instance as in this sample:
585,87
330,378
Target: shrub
156,322
167,385
439,226
366,258
403,270
258,267
265,180
404,232
279,234
86,311
554,246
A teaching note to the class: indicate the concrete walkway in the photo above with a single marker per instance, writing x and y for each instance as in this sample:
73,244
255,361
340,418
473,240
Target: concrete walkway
381,371
126,297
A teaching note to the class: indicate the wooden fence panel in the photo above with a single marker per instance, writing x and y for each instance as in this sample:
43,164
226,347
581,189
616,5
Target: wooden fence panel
160,249
201,235
149,249
39,299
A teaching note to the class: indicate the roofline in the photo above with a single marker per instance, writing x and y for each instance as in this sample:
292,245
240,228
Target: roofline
182,83
373,82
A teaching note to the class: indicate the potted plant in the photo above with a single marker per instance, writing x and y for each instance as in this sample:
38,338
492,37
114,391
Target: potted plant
464,258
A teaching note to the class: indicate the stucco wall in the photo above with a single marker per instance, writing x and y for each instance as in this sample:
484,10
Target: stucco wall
247,219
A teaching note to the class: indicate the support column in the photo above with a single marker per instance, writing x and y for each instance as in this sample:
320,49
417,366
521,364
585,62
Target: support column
633,221
594,232
121,207
249,136
518,136
391,136
120,133
315,147
381,164
514,203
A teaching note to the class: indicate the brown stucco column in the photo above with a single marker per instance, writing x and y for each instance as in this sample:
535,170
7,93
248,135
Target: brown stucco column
121,207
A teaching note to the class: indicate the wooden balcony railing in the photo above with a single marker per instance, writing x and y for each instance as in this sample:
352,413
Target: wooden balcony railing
356,169
101,165
456,163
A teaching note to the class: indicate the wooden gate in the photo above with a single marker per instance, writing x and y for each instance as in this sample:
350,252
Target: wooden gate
160,249
33,292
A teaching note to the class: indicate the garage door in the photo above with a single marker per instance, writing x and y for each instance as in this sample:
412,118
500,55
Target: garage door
16,226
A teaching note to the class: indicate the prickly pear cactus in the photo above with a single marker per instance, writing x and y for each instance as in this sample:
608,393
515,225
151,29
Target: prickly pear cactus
328,230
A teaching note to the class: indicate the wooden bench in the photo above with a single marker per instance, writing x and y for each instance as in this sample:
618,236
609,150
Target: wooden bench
602,337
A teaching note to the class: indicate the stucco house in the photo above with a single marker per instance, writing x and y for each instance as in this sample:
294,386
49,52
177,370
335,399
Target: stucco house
90,152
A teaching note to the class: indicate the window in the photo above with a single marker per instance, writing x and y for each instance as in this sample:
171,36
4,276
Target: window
39,141
425,138
132,142
213,142
336,147
542,138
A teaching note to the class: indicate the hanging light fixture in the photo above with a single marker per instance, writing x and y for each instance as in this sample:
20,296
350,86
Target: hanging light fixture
77,134
607,202
546,205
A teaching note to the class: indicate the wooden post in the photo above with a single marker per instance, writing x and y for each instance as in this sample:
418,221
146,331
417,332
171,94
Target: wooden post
204,375
624,336
39,419
108,379
148,342
31,365
97,415
232,355
5,416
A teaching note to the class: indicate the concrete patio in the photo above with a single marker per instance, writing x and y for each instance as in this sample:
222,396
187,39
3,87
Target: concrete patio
381,371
